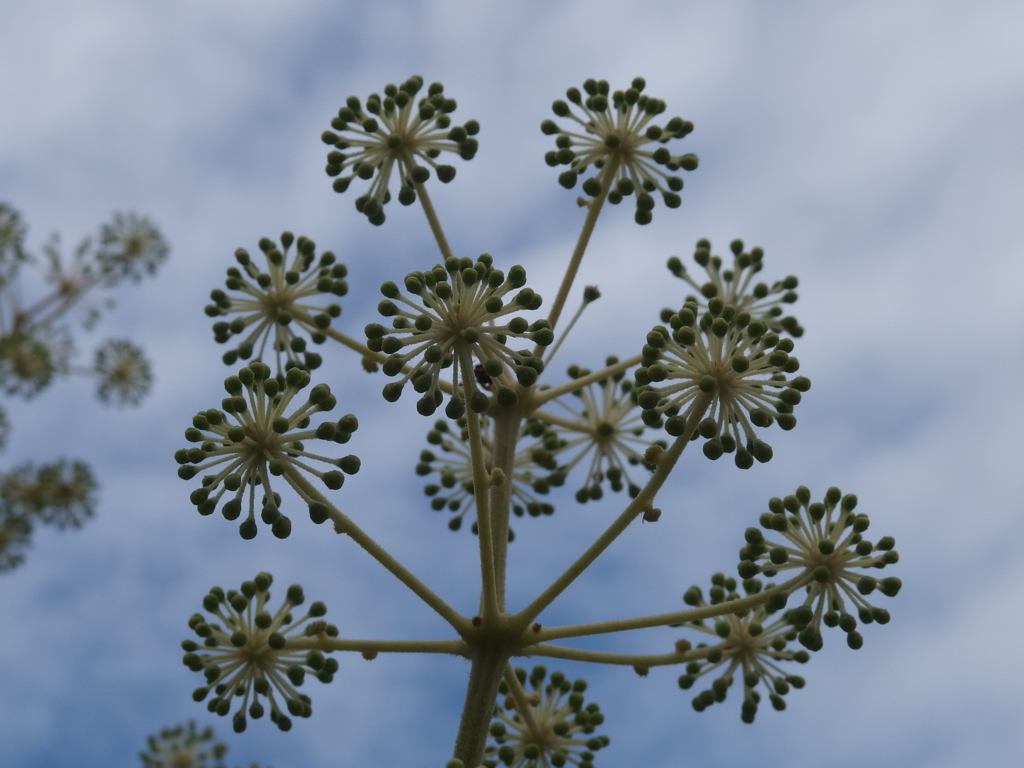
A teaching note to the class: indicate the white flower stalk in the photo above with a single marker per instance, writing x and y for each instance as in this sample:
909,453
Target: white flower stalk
556,730
257,436
735,358
823,542
621,142
131,246
395,131
459,321
735,285
606,427
15,537
30,358
267,309
749,644
247,656
123,371
61,494
184,747
454,488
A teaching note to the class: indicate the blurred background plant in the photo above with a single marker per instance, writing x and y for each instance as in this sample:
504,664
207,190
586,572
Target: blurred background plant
41,316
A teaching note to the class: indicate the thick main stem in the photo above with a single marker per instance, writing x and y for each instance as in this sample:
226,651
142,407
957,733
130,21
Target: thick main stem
506,435
484,677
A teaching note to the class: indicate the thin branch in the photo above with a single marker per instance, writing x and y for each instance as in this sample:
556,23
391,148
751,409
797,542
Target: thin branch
343,524
636,507
523,705
322,642
481,487
544,395
435,224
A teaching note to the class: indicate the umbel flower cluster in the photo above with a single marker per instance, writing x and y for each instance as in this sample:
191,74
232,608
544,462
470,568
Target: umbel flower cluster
520,439
549,725
258,435
460,321
267,308
37,347
398,131
619,140
244,653
750,645
454,487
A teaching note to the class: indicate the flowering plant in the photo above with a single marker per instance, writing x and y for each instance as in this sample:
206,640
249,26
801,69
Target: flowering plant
719,368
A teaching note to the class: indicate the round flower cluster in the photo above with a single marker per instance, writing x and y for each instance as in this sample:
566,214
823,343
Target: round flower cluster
247,656
30,358
620,141
272,304
555,731
184,747
123,371
253,439
606,426
725,353
61,494
824,542
458,323
734,286
130,246
15,536
748,643
394,131
454,488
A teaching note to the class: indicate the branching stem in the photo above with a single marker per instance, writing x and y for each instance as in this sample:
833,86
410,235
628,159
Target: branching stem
435,224
636,507
343,524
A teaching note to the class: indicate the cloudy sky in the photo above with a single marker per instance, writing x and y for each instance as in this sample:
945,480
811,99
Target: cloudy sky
873,149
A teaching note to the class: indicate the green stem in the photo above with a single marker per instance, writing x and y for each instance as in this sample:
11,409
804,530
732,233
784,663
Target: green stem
542,396
739,605
624,659
343,524
324,643
506,434
435,224
636,507
593,211
481,487
485,675
523,706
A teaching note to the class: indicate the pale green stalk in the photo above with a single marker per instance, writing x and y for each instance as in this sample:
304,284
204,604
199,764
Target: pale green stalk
643,500
343,524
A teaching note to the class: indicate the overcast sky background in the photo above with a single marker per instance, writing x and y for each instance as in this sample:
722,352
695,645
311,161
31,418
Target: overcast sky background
873,149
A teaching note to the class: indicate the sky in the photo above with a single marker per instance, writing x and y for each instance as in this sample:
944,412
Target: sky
873,149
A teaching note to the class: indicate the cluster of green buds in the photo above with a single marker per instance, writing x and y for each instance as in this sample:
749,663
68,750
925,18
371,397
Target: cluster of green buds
183,746
269,307
616,140
15,536
30,358
255,438
396,130
823,542
605,426
123,373
247,655
61,494
458,322
454,488
556,729
130,246
749,643
734,285
730,356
